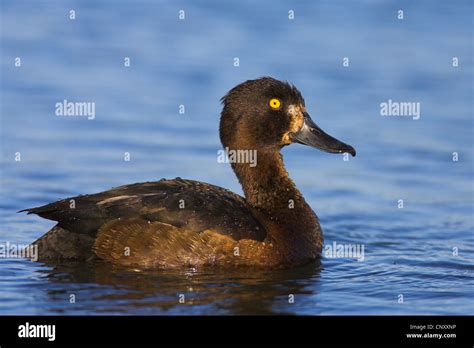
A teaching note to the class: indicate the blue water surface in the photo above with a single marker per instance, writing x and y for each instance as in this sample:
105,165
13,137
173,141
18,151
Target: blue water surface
418,259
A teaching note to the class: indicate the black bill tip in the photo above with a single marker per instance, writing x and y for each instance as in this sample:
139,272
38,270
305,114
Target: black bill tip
349,149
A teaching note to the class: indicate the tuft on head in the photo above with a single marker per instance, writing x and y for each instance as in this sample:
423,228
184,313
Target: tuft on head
266,85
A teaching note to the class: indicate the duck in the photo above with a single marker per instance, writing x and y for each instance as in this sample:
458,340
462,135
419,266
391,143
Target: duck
186,223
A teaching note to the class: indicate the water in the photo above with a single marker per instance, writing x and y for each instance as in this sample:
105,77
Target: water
409,251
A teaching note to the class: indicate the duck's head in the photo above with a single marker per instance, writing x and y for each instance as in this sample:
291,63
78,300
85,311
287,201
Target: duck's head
269,114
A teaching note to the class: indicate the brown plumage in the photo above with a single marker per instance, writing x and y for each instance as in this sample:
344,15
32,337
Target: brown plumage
172,223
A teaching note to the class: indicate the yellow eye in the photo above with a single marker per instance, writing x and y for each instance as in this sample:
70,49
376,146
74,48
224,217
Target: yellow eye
274,103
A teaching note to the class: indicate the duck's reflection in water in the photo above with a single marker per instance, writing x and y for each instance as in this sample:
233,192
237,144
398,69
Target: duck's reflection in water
101,288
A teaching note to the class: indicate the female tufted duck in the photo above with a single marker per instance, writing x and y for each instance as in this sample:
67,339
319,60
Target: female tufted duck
171,223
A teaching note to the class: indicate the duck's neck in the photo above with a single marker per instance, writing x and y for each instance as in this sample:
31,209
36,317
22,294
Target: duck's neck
267,185
291,224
